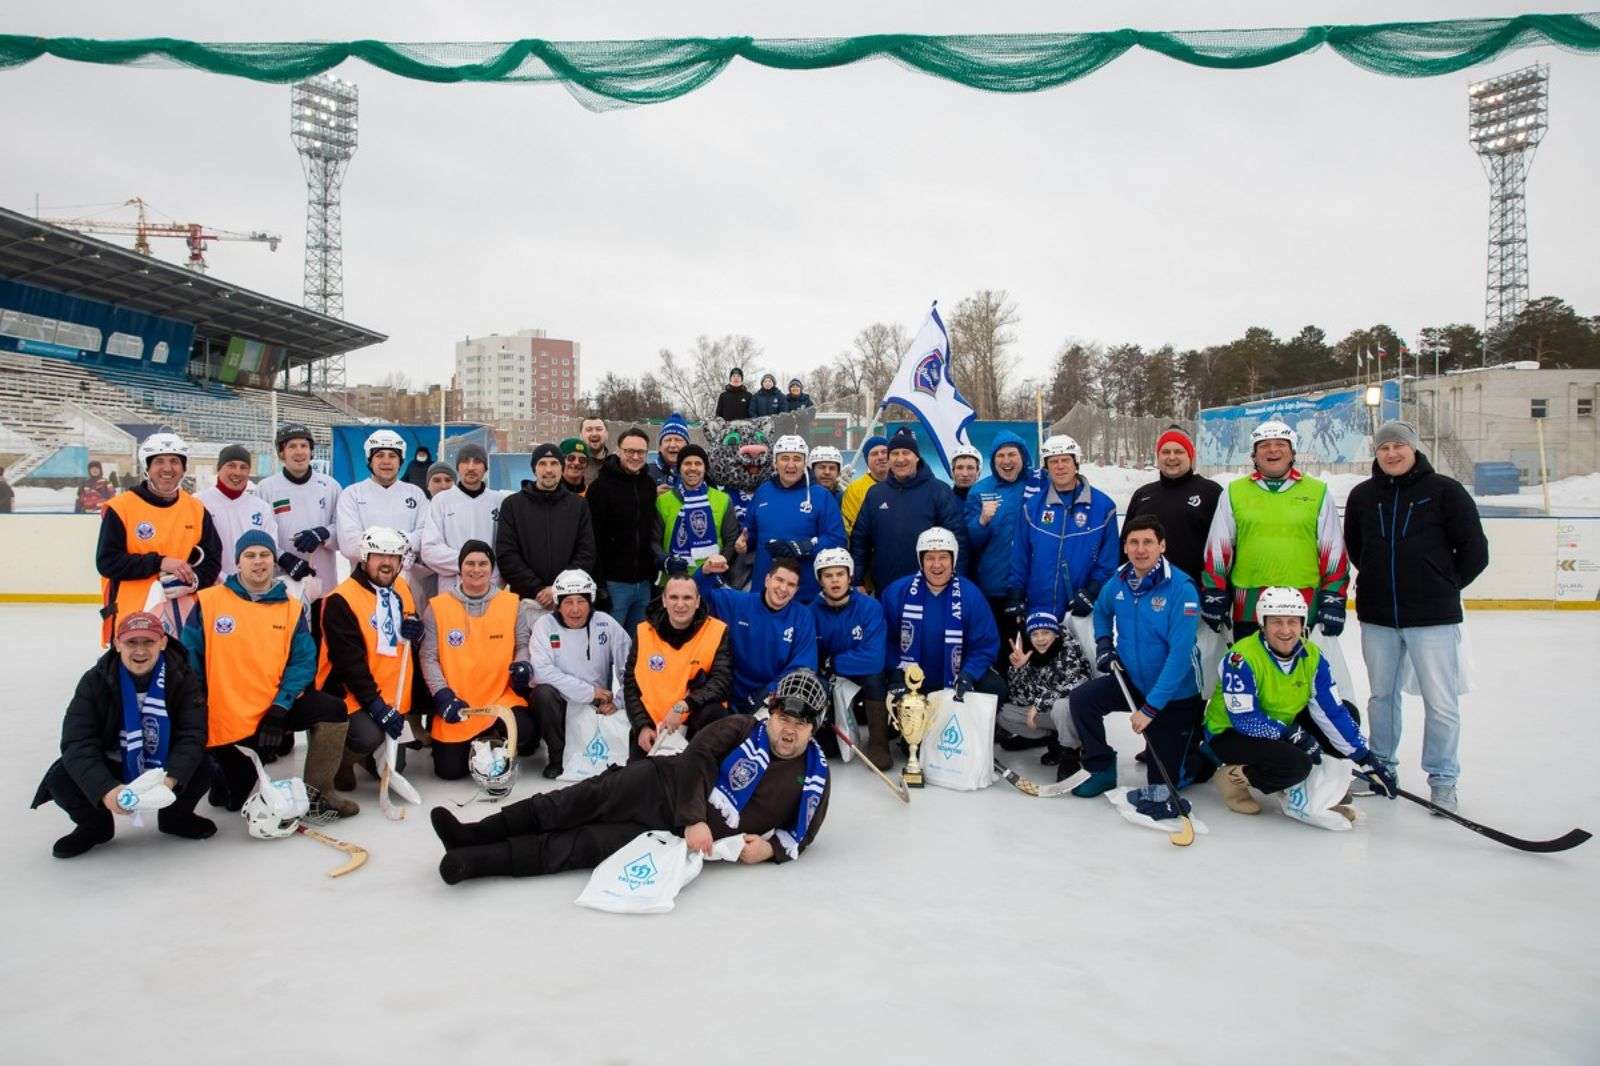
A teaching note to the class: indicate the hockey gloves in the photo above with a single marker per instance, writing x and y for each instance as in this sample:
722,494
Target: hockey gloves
788,549
309,540
1214,604
1383,779
963,686
1306,743
1082,605
1105,656
411,629
521,679
269,733
1016,606
294,567
388,719
450,705
676,564
1330,613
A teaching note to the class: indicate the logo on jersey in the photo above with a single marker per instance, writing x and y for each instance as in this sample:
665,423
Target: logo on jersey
1236,660
555,641
602,637
657,663
928,373
1081,518
908,634
952,741
455,638
411,502
1194,501
856,633
255,518
1047,517
639,873
494,514
144,531
281,507
223,625
1158,603
322,503
788,635
743,773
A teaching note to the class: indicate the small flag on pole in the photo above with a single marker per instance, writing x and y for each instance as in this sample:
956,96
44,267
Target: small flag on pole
924,386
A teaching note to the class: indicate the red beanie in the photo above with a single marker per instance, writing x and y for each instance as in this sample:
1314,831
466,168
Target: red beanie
1176,436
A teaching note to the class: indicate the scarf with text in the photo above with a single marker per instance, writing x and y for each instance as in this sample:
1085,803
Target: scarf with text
911,626
146,729
694,530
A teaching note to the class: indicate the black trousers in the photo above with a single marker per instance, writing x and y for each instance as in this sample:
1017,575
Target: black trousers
575,828
233,776
1274,765
1170,736
698,720
1010,625
450,760
58,785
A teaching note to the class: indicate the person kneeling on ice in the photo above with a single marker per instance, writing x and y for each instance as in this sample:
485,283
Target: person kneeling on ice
942,623
248,640
1277,712
1044,672
1153,609
850,644
679,672
772,632
474,654
133,741
579,656
767,780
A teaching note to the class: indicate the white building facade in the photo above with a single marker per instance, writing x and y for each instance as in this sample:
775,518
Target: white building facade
515,376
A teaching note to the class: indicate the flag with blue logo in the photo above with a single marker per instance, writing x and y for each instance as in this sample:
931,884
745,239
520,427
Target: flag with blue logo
924,386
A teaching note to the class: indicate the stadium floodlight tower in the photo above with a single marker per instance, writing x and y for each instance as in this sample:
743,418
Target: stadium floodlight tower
1506,120
322,123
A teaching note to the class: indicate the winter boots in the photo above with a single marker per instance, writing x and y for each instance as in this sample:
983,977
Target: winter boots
472,849
877,734
1235,789
324,767
1099,783
94,830
186,824
1069,762
1444,796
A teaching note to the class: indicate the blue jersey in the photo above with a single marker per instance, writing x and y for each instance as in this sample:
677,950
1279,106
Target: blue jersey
1064,545
803,512
766,644
851,637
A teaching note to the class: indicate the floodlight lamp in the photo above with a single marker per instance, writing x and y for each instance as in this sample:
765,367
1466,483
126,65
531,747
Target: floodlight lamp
1374,396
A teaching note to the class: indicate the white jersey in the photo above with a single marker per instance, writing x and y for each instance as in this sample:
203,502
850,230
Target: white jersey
232,518
453,519
575,662
302,506
401,506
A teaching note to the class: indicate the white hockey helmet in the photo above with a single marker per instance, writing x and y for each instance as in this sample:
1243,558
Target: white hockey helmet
381,540
380,439
1273,429
164,443
573,583
273,812
1060,444
825,453
937,539
967,451
791,444
493,766
833,557
1278,600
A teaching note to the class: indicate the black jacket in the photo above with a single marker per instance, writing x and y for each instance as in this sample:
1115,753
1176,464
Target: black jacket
1185,506
1416,541
710,688
627,526
345,634
733,404
91,733
113,559
540,534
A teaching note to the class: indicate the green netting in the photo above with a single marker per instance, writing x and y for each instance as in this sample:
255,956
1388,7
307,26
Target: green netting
606,74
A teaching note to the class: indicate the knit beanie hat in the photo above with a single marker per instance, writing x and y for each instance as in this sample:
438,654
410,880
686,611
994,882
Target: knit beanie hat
904,438
253,538
474,546
544,451
472,451
235,452
1176,435
1397,431
674,426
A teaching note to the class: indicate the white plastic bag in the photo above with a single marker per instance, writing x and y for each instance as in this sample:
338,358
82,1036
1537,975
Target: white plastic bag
1312,799
958,749
1083,632
1210,647
594,741
645,875
844,697
1333,651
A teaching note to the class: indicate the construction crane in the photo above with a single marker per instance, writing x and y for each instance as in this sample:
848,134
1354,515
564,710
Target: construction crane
142,230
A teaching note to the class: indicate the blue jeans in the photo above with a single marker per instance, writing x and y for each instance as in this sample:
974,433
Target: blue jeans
1435,654
628,601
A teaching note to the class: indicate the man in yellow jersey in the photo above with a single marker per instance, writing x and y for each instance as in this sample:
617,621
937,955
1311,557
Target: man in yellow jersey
155,532
679,673
249,641
876,449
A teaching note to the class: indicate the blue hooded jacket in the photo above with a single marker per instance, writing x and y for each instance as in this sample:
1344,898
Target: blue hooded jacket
992,568
852,635
1155,630
893,514
1063,546
980,644
766,644
298,673
778,513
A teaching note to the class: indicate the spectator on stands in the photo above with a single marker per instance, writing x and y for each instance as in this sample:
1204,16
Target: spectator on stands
797,400
964,467
417,473
734,403
464,512
440,477
598,438
235,510
627,528
674,435
876,449
897,510
94,492
305,505
7,494
768,400
543,530
574,466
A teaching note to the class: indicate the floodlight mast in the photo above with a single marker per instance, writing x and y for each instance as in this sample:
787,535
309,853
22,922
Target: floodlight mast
322,123
1506,119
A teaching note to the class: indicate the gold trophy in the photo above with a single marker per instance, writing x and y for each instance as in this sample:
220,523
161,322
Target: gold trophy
909,713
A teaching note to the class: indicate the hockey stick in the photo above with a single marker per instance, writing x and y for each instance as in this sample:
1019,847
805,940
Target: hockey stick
1016,780
357,853
897,787
1566,842
1185,834
391,747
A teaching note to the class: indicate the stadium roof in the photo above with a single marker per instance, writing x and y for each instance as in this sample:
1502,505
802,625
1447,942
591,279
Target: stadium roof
73,263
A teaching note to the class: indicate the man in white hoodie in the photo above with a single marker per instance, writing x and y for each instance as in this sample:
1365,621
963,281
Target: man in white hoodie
382,500
465,511
234,509
579,656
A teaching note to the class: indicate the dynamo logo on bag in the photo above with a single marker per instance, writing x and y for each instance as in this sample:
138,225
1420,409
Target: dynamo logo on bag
640,873
596,751
1299,805
952,741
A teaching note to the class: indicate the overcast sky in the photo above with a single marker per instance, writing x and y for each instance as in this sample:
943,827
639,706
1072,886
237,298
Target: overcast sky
1150,202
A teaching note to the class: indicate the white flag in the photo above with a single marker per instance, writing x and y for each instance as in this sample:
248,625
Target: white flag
924,386
1360,360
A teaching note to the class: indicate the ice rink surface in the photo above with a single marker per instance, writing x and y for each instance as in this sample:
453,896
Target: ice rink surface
977,928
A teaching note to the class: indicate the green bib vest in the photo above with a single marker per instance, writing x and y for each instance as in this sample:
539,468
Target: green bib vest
1279,696
669,504
1275,542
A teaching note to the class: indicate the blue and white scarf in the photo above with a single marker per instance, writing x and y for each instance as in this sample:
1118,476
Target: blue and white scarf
694,529
146,729
742,771
911,626
386,618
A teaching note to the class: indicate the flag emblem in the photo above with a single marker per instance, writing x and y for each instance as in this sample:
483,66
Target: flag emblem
928,373
280,507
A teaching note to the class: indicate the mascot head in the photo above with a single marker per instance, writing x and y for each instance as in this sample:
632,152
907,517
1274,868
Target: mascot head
741,452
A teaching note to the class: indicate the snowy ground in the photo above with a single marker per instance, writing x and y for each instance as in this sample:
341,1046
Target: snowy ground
963,928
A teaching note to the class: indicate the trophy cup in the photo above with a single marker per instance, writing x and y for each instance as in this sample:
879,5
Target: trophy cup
909,713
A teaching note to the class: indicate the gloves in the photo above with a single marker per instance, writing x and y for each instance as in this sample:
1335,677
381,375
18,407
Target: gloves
450,705
963,686
294,567
1214,604
147,792
388,719
269,733
676,564
1382,777
1082,605
411,628
1306,743
1105,656
1016,606
1330,613
309,540
521,678
788,549
752,703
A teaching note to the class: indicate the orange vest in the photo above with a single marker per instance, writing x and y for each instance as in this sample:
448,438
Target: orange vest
475,657
385,669
173,531
662,672
247,649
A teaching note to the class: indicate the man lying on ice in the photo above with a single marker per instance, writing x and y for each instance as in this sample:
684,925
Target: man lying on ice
767,780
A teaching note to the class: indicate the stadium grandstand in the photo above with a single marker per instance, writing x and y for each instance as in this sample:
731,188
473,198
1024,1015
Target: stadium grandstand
100,345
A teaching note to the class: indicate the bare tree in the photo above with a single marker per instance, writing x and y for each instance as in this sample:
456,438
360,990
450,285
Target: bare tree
396,380
692,382
865,371
981,334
